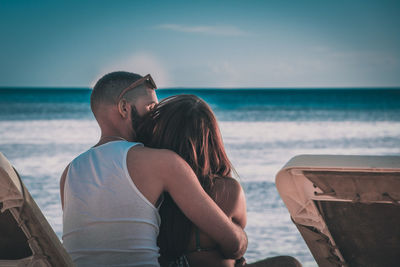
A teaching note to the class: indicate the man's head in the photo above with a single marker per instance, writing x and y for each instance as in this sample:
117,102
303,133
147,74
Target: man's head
116,95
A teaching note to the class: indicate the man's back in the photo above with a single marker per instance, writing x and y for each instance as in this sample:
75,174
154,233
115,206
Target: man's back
107,221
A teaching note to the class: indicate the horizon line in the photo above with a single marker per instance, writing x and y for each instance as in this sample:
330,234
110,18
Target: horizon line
209,87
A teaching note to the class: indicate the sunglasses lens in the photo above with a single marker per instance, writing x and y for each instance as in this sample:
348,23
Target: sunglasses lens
150,83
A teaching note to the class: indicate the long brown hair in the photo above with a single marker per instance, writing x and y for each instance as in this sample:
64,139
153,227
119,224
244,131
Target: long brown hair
186,125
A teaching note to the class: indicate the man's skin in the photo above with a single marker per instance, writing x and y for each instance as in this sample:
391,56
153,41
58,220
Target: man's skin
155,171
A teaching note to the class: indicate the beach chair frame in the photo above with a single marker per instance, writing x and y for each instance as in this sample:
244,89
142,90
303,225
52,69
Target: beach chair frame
343,204
27,238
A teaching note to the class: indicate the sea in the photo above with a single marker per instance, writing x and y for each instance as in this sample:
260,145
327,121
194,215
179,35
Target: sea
43,129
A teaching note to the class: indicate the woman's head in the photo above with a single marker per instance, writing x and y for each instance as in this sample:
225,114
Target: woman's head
185,124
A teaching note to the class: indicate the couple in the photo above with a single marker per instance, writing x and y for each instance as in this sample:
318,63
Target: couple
116,195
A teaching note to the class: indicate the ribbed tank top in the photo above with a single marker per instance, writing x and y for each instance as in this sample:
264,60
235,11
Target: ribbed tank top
106,220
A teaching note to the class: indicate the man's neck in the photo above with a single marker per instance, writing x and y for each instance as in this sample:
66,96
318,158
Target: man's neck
110,138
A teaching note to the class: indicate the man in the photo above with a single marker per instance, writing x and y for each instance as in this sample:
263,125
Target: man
110,192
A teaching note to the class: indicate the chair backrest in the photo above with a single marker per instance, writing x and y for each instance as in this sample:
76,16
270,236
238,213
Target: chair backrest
26,238
347,208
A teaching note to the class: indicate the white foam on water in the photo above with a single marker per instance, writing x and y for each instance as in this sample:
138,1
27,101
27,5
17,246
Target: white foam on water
273,132
49,131
259,149
272,233
45,149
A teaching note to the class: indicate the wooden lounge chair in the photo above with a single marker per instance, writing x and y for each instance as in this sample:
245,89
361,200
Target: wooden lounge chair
26,238
347,208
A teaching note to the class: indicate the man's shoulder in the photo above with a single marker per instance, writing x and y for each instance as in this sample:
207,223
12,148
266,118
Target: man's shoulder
81,156
153,154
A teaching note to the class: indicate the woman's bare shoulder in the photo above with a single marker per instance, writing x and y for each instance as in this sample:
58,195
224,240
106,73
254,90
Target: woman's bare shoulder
227,187
229,196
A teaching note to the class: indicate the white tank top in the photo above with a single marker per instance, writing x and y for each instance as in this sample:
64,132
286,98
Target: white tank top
106,220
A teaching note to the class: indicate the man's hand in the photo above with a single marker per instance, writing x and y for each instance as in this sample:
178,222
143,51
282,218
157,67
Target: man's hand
240,262
241,242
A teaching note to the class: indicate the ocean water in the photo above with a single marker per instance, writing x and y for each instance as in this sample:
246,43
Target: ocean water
42,130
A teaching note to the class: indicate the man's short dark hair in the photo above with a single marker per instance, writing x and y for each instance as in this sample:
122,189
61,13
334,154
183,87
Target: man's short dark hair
108,88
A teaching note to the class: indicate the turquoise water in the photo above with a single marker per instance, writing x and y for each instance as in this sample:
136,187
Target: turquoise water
229,104
42,130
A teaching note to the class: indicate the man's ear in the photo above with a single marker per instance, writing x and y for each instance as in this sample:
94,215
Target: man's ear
123,107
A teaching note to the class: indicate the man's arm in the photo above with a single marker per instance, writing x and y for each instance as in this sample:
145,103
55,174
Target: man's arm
179,180
183,186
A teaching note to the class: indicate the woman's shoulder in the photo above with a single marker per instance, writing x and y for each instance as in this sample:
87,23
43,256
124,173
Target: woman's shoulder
227,186
229,196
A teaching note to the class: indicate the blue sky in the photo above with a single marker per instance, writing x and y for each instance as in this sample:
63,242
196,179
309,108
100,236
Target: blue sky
202,43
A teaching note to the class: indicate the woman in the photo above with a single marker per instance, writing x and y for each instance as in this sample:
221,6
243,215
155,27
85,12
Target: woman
186,125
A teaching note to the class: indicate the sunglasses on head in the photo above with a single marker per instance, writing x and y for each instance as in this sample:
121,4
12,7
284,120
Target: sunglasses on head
146,80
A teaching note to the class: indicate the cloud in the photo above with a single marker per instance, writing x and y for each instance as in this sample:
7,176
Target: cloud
315,67
213,30
141,63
